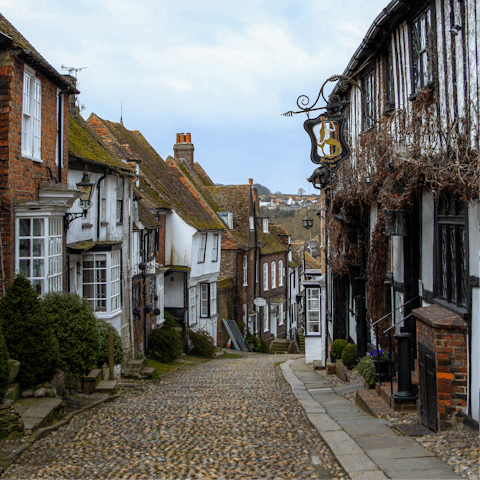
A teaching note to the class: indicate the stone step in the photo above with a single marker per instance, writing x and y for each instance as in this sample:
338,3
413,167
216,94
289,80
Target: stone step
39,412
109,387
91,380
134,367
148,371
369,401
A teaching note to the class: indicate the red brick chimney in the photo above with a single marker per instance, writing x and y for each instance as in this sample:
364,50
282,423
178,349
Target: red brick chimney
184,148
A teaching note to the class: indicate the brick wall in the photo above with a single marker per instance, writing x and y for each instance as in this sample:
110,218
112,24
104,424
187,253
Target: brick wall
445,334
21,177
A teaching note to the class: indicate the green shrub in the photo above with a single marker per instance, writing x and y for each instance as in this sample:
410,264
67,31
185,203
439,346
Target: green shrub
349,355
28,333
337,347
103,332
75,328
202,344
366,369
170,321
164,344
4,366
257,344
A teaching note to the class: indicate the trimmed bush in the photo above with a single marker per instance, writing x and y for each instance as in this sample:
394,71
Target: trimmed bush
202,343
4,366
164,344
257,344
349,355
75,328
103,332
366,369
28,333
337,347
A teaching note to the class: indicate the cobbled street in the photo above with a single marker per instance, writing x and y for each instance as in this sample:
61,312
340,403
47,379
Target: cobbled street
228,418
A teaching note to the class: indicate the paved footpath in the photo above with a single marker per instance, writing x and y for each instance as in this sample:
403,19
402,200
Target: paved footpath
366,447
229,418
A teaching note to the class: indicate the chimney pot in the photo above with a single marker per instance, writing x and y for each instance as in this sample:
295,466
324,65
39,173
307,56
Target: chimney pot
188,138
183,138
178,138
250,181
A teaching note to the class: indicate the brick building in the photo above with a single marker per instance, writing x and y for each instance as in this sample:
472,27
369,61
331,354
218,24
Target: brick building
33,164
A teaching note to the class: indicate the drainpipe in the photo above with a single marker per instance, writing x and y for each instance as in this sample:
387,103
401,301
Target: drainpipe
98,201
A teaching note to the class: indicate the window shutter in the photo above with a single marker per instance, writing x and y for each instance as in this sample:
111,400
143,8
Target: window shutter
213,299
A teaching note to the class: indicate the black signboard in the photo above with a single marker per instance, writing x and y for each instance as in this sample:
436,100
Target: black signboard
328,145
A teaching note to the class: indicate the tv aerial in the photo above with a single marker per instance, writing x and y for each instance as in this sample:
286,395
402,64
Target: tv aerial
72,70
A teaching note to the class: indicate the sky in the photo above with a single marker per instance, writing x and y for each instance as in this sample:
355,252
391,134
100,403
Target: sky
223,71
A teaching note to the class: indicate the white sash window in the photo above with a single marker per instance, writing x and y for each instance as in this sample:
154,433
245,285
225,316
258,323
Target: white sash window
31,115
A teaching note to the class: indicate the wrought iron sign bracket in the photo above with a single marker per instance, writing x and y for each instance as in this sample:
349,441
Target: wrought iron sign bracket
70,217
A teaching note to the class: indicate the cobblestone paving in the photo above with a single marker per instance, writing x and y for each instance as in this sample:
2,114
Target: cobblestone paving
229,418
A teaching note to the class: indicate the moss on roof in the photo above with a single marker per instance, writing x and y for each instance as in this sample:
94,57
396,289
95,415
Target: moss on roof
162,182
83,142
146,217
311,263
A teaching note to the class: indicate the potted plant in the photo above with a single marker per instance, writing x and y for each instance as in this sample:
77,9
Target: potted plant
381,359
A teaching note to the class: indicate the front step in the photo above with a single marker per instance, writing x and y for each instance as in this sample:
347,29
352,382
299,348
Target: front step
301,342
279,346
91,380
134,368
110,387
148,371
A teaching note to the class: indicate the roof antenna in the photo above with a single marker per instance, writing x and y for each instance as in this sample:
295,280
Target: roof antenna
72,70
121,114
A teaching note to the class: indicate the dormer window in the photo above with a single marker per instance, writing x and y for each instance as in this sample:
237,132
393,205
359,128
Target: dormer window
227,219
265,225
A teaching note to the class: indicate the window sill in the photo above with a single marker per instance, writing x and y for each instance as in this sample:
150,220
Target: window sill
428,86
315,335
33,159
87,225
119,224
104,224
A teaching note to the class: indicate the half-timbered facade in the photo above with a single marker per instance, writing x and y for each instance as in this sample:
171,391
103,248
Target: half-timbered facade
403,221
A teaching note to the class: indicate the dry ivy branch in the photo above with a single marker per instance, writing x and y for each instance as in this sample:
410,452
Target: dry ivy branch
407,152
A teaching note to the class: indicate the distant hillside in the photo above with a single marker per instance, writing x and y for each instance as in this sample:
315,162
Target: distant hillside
261,190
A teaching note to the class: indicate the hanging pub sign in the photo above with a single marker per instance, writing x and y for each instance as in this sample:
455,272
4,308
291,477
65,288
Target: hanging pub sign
328,145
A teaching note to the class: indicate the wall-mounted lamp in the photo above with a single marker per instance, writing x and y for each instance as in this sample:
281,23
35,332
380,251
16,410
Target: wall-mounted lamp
142,266
85,186
395,223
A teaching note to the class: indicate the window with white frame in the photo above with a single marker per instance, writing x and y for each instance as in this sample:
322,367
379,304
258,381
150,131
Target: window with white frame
203,248
103,201
192,317
281,273
265,276
31,115
116,284
120,195
102,281
245,271
216,241
161,299
213,299
40,252
251,222
281,314
274,274
312,308
204,300
265,318
265,225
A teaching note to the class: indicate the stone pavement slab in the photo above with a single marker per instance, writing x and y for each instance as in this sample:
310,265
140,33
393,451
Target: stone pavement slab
366,447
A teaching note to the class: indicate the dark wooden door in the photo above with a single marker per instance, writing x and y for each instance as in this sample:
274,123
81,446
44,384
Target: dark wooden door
428,387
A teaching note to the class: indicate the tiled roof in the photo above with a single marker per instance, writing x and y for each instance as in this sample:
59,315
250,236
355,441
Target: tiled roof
311,263
29,52
146,217
236,199
83,143
162,183
202,175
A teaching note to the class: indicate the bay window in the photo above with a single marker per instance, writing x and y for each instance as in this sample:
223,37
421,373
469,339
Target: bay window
313,311
40,252
102,281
